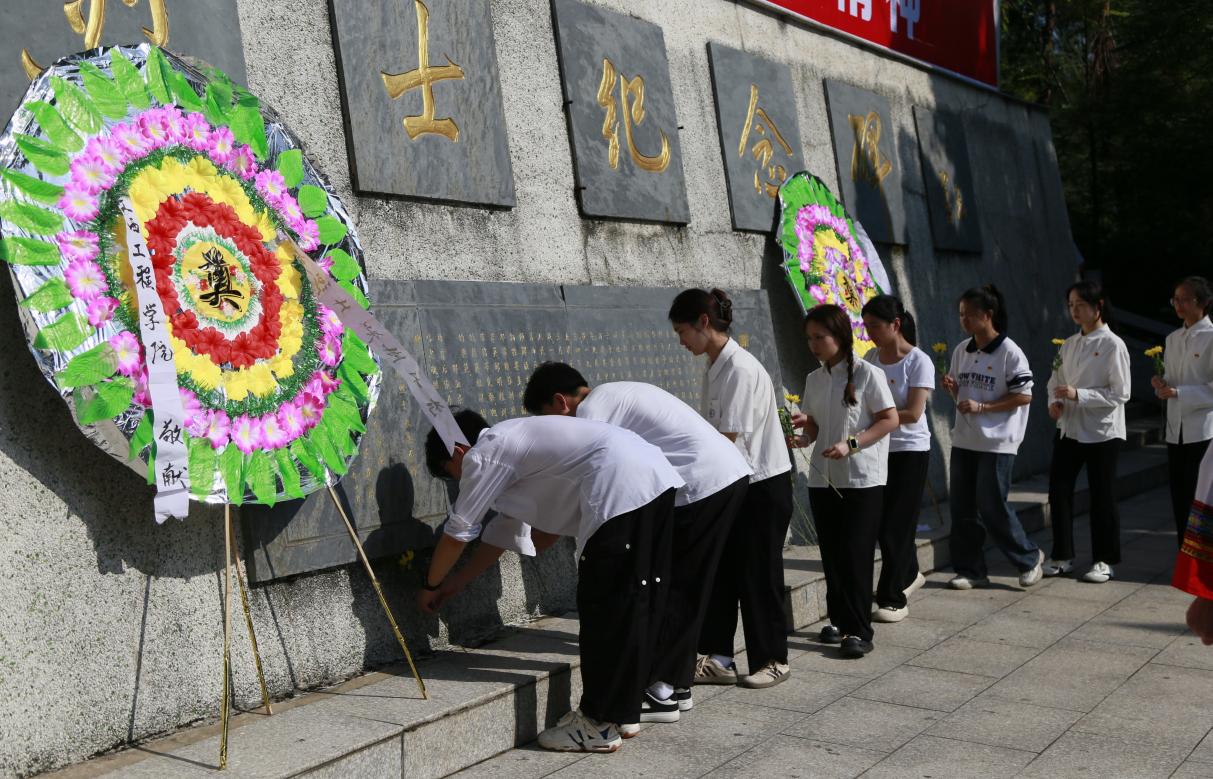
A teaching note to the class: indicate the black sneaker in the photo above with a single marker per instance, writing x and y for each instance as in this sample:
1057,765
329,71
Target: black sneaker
653,709
830,635
682,696
854,647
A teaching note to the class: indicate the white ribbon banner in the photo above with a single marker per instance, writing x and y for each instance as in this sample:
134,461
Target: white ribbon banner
171,455
388,346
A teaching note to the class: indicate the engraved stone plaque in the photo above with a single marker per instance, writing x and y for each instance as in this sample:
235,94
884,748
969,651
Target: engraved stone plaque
949,180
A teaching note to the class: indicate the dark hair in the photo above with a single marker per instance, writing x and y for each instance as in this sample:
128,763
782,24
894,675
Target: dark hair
694,303
548,380
835,320
436,454
887,308
1201,290
989,299
1091,293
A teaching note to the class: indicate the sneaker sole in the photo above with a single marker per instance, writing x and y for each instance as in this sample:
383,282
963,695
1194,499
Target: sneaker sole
889,619
575,748
629,733
764,685
664,717
686,705
716,680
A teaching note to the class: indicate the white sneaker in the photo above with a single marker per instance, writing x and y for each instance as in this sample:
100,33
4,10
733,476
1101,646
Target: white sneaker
1099,573
769,675
575,732
890,614
1028,578
654,709
968,582
708,671
1057,567
630,730
683,696
919,580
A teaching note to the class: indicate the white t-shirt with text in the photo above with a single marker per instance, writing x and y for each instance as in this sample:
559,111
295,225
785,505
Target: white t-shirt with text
913,370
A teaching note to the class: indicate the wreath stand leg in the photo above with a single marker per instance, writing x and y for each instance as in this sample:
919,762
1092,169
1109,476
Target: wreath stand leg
225,706
252,634
378,591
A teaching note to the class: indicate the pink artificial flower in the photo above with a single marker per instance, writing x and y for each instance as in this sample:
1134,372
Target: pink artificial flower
174,120
330,323
309,235
289,207
101,310
85,279
246,433
321,385
154,126
197,132
271,185
78,204
129,353
326,264
143,395
311,409
105,150
243,163
222,145
217,428
273,433
195,417
77,245
290,419
330,351
130,141
91,174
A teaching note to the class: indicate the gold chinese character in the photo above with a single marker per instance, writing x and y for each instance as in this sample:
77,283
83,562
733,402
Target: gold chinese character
424,77
631,90
954,199
92,29
867,162
763,150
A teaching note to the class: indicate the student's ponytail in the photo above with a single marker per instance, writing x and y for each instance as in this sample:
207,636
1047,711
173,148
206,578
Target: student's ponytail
849,396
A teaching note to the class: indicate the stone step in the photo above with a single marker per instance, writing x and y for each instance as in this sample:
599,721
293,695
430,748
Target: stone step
486,700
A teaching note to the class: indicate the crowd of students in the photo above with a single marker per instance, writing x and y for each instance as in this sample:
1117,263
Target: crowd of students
680,516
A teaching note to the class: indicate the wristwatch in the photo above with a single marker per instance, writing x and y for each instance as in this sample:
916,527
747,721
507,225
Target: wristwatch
853,443
425,585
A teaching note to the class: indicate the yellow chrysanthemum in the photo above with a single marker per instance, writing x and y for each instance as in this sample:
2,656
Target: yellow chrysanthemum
1058,341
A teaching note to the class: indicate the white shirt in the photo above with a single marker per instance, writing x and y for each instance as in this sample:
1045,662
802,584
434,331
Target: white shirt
1189,369
562,475
707,461
985,375
824,390
1097,364
738,397
913,370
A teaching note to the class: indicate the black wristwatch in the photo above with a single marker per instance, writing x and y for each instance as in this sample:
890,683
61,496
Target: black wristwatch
425,585
853,442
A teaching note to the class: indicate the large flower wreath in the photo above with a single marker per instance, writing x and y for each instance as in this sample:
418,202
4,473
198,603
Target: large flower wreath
275,389
826,254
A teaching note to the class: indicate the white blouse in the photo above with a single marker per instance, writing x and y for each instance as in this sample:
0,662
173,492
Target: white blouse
738,397
1189,369
1097,364
824,390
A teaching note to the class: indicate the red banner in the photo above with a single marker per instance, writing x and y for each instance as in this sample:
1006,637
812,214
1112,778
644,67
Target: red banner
960,36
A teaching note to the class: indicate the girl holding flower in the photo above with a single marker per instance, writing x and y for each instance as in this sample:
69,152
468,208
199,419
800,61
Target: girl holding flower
1087,395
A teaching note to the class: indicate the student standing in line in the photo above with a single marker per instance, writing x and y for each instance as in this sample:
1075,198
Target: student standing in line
562,476
847,408
1087,394
910,376
1187,386
992,383
739,401
716,476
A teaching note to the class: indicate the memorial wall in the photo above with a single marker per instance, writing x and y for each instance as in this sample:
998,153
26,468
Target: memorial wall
530,179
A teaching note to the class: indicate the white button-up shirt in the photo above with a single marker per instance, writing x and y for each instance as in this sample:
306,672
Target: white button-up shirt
738,397
1189,369
1097,364
824,390
707,461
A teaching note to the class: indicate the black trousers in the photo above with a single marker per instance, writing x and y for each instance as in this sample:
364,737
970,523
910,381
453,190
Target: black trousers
701,530
847,527
1069,456
620,578
1183,461
751,573
899,524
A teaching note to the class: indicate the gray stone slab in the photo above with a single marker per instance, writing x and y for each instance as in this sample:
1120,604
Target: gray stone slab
974,657
927,756
924,687
804,691
382,759
1180,697
759,132
948,177
627,155
422,99
1004,628
1193,770
1107,593
1050,605
799,758
968,606
1188,652
988,719
1072,674
530,762
1137,624
1104,756
207,30
866,150
1204,750
865,723
825,658
915,633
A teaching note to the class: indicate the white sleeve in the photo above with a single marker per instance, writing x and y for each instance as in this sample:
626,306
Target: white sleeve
482,482
1116,392
1019,373
922,370
736,396
510,534
877,395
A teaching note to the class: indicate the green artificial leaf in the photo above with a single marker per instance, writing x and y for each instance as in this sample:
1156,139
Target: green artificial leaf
305,453
260,476
109,399
89,367
202,466
157,71
127,77
51,296
355,353
231,463
183,92
331,230
42,155
334,427
65,334
105,93
346,411
324,446
218,102
30,218
28,251
76,108
355,382
289,473
313,201
151,466
355,293
36,188
55,127
248,125
290,165
142,437
345,267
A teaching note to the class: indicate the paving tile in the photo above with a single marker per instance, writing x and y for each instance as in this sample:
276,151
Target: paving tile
1193,769
382,759
824,658
988,719
1072,674
1204,750
864,723
974,657
798,758
1186,651
1014,630
1047,607
925,688
916,632
965,607
804,691
1138,623
927,756
530,762
1103,756
1158,705
1108,592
